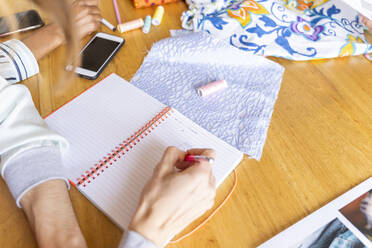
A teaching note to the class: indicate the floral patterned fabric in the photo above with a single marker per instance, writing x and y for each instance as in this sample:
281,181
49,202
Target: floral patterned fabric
292,29
303,6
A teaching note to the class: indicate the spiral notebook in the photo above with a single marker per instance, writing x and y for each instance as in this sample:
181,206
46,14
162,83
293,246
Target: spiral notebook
117,134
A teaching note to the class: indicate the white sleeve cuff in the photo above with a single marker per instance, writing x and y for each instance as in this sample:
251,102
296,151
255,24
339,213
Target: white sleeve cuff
33,167
132,239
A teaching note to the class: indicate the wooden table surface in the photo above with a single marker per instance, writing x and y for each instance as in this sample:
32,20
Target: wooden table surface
319,144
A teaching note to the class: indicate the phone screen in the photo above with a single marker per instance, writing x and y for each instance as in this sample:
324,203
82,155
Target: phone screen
97,52
24,20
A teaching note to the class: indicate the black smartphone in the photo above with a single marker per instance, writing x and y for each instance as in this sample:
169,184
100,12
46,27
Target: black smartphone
27,20
97,54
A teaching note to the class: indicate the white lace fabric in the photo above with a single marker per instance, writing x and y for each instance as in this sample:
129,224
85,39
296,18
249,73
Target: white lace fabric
240,115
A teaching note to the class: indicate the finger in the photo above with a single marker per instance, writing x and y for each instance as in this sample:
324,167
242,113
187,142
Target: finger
88,25
200,172
88,10
182,165
92,2
93,19
362,19
368,24
205,152
365,21
92,9
86,2
171,157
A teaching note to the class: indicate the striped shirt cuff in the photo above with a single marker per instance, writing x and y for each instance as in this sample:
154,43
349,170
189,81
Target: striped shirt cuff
17,61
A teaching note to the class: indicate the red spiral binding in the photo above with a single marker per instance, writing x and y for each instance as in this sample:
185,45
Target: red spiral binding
121,149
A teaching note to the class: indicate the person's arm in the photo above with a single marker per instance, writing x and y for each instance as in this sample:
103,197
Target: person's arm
51,216
18,59
30,156
44,40
31,166
172,199
366,22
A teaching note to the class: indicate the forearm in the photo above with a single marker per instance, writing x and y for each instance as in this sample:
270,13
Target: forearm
30,164
44,40
37,181
51,216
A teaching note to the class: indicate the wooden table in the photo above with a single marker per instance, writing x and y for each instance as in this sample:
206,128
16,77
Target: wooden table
319,145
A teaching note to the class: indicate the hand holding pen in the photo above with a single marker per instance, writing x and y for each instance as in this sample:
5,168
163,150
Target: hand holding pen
195,156
198,158
173,199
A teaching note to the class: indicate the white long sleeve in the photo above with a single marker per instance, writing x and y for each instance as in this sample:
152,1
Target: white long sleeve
30,153
21,127
133,239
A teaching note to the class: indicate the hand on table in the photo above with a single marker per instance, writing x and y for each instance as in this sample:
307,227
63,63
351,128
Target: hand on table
366,22
44,40
173,199
88,16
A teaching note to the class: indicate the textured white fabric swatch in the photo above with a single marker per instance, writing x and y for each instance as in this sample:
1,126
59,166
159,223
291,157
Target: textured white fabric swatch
240,114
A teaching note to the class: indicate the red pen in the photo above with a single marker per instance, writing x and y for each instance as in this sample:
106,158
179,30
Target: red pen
195,158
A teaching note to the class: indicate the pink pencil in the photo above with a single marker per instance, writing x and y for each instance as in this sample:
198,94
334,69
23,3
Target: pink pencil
196,158
116,7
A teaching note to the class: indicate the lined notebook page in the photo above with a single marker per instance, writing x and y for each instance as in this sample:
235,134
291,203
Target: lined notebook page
110,112
99,119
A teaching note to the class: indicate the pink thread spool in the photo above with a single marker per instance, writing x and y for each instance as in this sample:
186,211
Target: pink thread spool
211,88
127,26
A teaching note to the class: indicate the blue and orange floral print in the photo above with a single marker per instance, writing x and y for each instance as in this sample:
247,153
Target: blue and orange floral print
291,29
350,47
305,29
242,12
303,6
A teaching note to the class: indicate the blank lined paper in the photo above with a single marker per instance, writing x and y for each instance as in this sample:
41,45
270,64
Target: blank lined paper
110,112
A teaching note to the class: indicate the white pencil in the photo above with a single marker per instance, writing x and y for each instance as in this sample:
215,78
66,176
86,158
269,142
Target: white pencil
107,24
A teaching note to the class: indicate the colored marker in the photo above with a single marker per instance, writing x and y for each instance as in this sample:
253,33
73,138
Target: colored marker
107,24
117,12
196,158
